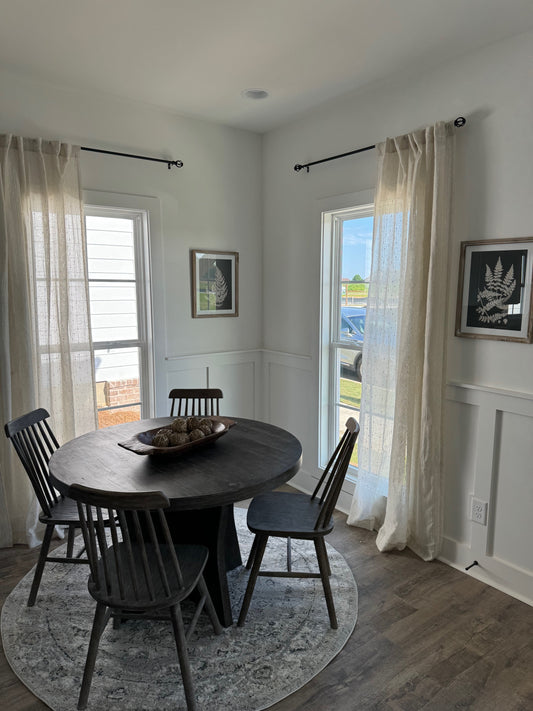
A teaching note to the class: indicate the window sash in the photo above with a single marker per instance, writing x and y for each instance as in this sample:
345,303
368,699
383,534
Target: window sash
332,254
141,282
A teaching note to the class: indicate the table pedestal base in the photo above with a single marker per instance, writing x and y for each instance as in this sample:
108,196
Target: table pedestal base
214,528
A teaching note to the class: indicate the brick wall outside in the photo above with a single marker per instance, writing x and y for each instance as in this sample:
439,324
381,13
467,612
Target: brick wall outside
121,392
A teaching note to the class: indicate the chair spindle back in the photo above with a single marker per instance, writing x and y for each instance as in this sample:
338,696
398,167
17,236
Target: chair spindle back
202,402
329,487
135,564
35,443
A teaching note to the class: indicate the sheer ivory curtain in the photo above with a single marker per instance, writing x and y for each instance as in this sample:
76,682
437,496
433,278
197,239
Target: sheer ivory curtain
45,356
399,488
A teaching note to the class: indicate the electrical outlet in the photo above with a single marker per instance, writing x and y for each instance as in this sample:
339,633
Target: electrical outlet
478,510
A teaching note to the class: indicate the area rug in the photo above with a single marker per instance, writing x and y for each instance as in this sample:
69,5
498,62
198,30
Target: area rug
285,642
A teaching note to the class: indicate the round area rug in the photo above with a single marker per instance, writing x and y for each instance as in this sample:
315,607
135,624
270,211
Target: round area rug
285,642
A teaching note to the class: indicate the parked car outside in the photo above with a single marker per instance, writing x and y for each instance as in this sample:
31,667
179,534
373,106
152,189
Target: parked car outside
353,331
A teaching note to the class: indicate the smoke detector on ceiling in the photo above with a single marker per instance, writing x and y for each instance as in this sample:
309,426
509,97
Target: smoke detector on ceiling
254,94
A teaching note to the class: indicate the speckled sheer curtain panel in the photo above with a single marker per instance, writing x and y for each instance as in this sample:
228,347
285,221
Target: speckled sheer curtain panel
45,357
399,487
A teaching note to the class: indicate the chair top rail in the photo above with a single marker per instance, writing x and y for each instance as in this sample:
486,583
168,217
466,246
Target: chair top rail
24,421
195,392
147,500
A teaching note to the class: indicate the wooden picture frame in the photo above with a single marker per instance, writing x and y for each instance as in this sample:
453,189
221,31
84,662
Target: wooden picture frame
214,283
494,295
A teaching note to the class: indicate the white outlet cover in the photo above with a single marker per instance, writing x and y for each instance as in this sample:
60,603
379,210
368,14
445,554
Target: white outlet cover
478,511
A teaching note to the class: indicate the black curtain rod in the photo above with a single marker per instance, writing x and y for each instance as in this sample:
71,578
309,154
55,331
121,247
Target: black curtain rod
459,121
170,163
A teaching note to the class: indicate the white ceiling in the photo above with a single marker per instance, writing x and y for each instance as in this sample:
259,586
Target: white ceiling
195,57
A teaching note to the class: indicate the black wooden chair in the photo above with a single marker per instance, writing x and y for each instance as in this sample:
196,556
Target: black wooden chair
195,401
299,516
35,443
138,572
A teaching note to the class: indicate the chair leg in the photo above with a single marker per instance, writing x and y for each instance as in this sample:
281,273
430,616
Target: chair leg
323,564
258,558
183,656
45,546
327,561
101,617
202,587
251,557
70,541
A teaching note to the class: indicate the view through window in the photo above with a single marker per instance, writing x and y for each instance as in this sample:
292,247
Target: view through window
119,317
349,233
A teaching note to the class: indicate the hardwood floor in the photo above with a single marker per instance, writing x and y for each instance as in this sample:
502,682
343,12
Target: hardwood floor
427,637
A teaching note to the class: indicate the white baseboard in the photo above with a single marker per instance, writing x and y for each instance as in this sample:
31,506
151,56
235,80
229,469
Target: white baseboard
511,580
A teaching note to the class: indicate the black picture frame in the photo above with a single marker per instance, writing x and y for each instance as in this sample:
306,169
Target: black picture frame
494,295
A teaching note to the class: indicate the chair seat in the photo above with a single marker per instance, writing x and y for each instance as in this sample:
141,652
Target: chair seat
192,559
283,513
64,512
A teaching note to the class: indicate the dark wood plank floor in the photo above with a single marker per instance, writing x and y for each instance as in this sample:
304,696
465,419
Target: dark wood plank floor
427,637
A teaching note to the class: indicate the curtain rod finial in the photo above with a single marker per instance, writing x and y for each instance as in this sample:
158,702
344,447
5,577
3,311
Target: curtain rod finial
459,121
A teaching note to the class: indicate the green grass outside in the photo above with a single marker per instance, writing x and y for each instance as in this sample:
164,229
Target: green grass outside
359,288
350,394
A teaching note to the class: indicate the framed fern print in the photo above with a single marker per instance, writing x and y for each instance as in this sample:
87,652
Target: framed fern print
494,297
214,283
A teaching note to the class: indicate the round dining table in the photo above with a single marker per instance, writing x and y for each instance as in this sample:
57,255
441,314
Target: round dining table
202,483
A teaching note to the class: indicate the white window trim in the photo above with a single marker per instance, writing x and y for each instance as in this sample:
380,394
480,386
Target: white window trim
353,204
148,210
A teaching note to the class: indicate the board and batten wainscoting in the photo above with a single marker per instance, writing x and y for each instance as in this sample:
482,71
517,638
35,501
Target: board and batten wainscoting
489,455
237,373
483,427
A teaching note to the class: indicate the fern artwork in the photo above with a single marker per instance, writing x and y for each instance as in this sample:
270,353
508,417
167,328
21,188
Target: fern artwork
214,280
221,289
494,296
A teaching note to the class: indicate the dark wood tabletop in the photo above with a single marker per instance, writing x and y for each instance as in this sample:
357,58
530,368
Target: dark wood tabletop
251,457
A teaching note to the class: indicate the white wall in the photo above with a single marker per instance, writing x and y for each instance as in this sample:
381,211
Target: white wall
490,411
213,202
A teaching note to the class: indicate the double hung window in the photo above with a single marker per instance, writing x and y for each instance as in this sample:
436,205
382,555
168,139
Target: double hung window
118,267
346,261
